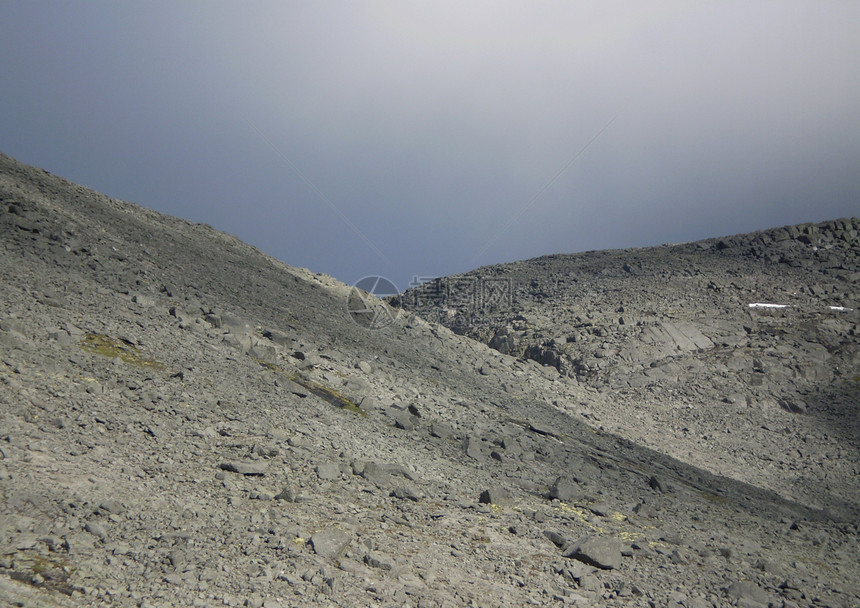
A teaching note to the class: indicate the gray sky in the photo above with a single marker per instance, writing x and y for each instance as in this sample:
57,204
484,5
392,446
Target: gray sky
428,138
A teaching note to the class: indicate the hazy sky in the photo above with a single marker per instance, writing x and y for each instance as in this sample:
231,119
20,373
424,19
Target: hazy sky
427,138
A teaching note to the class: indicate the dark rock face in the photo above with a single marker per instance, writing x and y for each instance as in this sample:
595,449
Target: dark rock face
187,422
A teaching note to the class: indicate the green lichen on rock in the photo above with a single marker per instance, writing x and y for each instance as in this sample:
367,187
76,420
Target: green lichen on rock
43,572
112,348
330,395
324,392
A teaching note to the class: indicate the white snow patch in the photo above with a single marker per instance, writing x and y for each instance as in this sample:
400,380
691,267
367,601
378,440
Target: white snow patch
768,305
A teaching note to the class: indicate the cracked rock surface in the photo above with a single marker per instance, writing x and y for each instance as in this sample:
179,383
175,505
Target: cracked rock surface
185,421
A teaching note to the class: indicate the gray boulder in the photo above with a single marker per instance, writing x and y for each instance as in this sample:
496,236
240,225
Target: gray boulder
565,490
331,542
598,551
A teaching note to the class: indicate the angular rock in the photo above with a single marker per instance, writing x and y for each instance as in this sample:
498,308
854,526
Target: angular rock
497,495
542,429
598,551
263,352
331,542
558,539
278,337
245,468
364,366
96,529
328,471
240,342
565,490
406,492
376,474
405,421
379,560
111,506
655,483
441,430
747,590
473,448
288,494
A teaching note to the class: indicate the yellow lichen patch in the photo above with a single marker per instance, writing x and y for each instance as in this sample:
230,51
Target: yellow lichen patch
299,541
580,514
567,509
630,537
496,509
112,348
617,516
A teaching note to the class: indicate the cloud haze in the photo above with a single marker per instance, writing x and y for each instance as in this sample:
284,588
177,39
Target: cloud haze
402,139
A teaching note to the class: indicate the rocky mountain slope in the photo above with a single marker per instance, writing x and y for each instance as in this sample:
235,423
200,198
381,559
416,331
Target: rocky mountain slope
186,421
738,354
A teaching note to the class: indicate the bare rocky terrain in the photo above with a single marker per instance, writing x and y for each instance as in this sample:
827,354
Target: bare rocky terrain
185,421
736,354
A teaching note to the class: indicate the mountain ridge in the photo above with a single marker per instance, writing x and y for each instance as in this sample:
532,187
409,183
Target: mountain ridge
762,327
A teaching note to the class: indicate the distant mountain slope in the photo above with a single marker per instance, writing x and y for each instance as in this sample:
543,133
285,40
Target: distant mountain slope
185,421
762,327
606,317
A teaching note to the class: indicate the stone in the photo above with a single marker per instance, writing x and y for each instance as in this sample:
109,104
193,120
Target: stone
405,421
328,471
379,560
96,529
747,590
111,506
542,429
598,551
655,483
442,430
266,451
565,490
331,542
288,494
376,474
406,492
240,342
254,467
496,495
473,448
558,539
263,352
